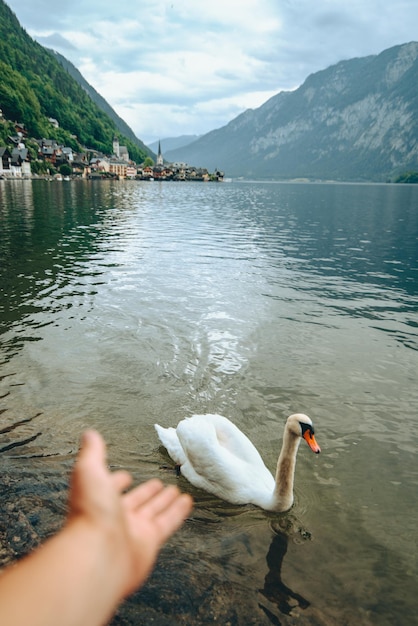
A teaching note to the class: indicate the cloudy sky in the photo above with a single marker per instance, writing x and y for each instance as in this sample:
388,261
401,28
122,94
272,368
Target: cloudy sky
174,67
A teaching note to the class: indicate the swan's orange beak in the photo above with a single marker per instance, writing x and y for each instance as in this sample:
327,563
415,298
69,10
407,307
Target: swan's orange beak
311,441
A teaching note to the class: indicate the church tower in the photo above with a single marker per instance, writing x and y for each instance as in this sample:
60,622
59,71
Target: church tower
160,160
116,148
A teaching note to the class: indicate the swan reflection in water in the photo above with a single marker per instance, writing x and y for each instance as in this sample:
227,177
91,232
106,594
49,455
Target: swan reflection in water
275,590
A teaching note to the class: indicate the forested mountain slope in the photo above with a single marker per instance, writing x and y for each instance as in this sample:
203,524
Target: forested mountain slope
121,125
34,86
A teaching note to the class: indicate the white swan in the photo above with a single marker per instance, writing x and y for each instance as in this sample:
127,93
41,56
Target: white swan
216,456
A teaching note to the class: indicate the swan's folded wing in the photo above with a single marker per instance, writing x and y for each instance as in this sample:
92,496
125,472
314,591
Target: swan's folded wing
233,439
210,465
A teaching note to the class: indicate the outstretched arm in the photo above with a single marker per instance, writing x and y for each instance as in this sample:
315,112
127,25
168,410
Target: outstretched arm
105,551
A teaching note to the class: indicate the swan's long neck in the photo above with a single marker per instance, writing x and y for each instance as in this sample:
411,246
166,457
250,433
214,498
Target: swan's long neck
285,472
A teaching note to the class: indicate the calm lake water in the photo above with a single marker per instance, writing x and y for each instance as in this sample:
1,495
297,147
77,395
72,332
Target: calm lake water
125,304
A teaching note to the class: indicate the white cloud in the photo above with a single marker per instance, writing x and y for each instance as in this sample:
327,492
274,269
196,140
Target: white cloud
173,67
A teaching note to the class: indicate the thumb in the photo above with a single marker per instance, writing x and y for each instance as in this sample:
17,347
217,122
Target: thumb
92,449
89,471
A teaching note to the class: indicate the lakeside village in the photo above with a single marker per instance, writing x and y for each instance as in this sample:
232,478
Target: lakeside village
64,164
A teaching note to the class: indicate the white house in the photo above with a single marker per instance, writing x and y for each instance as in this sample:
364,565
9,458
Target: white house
20,163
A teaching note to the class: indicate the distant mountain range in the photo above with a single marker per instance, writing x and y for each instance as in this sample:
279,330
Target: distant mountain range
356,120
172,143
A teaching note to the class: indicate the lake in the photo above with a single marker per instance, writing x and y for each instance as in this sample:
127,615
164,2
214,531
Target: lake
129,303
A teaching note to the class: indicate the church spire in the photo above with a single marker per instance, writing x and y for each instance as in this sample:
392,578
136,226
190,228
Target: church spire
160,159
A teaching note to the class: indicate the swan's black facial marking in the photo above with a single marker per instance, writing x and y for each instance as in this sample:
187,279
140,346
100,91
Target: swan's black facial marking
308,435
307,428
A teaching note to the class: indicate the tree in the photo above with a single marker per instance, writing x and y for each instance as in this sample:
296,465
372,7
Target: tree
66,169
39,167
148,162
407,177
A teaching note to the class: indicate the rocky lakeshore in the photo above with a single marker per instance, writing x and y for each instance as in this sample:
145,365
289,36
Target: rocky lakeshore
33,486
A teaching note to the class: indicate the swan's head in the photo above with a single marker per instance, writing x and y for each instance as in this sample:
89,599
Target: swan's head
301,425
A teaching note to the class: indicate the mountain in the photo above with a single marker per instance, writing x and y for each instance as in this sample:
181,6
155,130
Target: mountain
356,120
34,87
172,143
121,125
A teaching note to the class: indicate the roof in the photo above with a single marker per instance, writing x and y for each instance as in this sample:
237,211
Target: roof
19,155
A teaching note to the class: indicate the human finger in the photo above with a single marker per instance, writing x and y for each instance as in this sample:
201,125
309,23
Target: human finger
172,517
142,493
93,448
90,460
88,472
160,501
121,480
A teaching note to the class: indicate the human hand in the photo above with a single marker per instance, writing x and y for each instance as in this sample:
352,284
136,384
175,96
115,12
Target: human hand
136,523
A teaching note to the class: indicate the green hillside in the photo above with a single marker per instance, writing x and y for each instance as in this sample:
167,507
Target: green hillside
121,125
34,87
